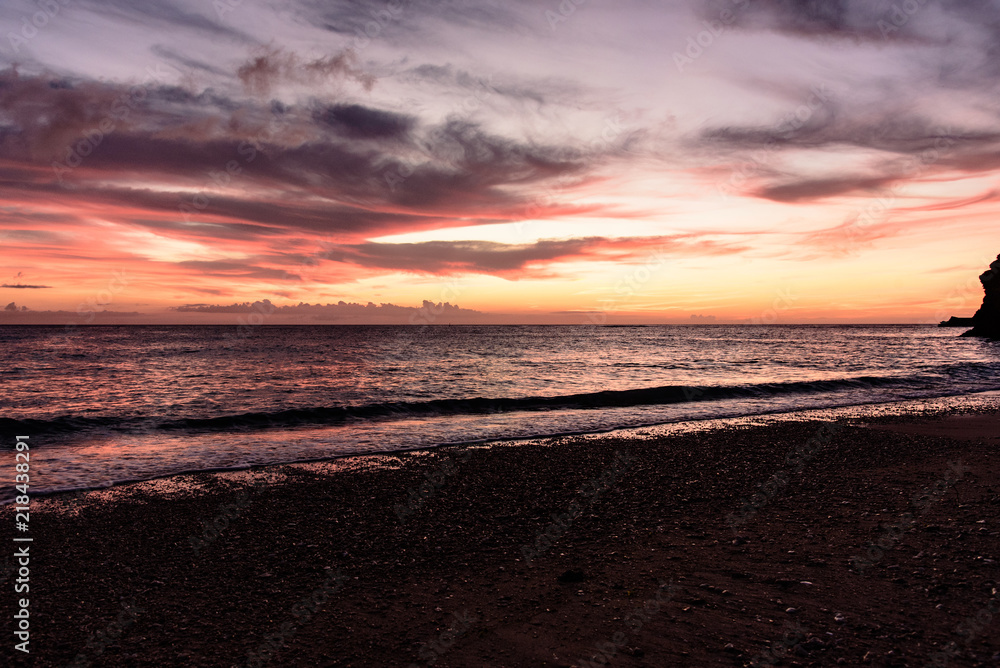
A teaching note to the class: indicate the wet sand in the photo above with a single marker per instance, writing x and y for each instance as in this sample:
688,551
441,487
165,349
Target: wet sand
869,542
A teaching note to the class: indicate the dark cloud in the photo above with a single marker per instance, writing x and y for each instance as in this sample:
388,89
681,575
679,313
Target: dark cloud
32,236
187,61
237,270
167,14
941,24
42,115
515,260
274,66
456,256
358,122
474,89
18,286
230,230
820,18
290,171
813,15
465,143
888,129
408,20
445,75
838,19
899,143
814,189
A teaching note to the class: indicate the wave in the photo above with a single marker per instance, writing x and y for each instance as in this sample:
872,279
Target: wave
667,394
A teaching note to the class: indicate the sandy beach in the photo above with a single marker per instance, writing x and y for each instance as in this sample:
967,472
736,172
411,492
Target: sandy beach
869,542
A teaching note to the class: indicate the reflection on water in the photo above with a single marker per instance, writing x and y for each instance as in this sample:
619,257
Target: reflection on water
114,403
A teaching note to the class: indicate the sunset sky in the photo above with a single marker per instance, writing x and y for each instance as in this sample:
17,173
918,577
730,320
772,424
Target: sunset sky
762,160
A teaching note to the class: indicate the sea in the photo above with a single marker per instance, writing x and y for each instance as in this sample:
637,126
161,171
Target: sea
105,405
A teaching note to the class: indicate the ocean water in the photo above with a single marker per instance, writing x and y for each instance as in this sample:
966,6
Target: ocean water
110,404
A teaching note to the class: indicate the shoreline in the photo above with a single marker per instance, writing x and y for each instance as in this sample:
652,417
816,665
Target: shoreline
634,555
880,409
